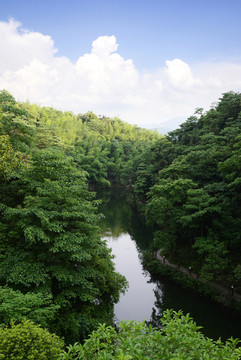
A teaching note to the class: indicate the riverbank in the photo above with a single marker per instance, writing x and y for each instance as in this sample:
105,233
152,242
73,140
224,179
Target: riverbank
159,265
149,296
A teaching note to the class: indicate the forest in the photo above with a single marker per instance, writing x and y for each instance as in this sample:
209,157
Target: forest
57,276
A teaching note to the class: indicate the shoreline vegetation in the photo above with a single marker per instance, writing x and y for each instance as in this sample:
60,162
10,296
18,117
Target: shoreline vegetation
159,266
226,295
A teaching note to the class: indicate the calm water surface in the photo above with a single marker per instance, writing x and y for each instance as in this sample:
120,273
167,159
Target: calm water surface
146,299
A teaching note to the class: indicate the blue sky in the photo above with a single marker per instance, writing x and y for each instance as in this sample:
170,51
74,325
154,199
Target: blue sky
172,56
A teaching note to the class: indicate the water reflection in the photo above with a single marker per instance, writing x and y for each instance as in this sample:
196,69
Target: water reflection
137,303
147,298
120,218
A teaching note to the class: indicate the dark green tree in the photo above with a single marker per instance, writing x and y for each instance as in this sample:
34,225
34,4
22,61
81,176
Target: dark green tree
51,244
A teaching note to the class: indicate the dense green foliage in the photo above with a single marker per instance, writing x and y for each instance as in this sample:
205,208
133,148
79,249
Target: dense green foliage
27,341
178,339
54,268
190,191
99,145
52,243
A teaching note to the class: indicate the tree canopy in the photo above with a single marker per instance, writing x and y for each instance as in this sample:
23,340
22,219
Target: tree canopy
54,268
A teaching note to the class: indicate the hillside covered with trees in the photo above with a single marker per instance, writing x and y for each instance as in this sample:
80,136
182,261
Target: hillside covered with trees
54,268
191,192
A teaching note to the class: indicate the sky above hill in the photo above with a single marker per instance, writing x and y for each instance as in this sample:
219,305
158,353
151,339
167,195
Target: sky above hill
149,62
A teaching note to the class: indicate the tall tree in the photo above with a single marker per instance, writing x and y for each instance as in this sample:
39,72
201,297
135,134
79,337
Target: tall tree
51,244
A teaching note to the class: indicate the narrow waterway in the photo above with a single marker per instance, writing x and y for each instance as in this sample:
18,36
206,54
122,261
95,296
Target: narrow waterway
146,299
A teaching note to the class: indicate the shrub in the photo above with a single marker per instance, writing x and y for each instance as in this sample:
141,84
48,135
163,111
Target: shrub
179,339
27,341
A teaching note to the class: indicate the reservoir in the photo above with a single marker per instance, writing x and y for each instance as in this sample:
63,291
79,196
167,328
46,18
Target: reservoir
128,236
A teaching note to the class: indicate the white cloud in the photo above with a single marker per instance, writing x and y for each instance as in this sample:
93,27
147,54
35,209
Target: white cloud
105,71
179,74
19,47
104,45
105,82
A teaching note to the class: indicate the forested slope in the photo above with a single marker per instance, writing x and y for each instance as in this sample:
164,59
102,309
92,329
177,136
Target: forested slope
54,268
191,191
98,144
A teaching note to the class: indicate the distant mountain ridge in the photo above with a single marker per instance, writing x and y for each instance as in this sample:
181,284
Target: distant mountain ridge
166,126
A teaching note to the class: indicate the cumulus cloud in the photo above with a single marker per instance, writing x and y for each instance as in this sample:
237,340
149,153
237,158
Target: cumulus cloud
179,74
105,82
105,71
19,47
104,45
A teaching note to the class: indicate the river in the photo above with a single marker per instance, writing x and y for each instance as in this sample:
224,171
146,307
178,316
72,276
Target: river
146,299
